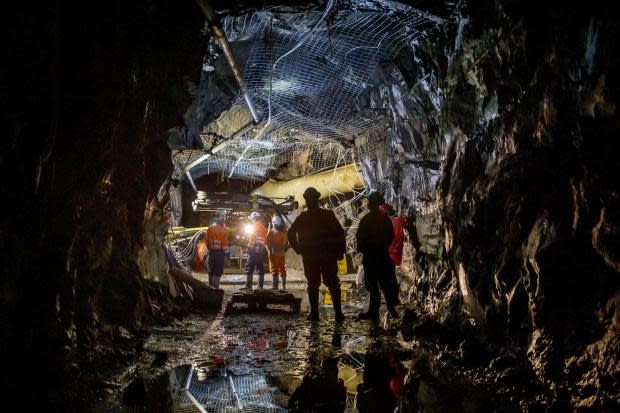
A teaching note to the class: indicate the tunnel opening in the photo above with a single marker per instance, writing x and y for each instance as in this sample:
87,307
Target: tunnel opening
311,115
489,128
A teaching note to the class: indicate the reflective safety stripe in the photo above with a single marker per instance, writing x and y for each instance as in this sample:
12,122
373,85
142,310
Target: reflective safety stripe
276,250
217,238
258,236
276,241
257,240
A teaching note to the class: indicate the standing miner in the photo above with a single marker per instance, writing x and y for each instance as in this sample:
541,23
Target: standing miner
374,236
276,248
216,239
317,235
256,251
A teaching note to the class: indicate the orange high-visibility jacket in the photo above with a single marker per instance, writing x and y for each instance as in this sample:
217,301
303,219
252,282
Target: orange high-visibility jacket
276,242
217,238
258,235
201,250
396,247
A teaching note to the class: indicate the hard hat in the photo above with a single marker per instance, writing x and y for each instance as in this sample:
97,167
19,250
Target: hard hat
312,193
375,199
255,215
277,221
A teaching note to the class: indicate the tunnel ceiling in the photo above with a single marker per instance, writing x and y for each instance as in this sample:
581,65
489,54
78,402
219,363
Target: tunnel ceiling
307,72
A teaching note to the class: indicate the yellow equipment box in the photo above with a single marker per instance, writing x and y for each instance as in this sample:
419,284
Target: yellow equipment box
342,265
343,294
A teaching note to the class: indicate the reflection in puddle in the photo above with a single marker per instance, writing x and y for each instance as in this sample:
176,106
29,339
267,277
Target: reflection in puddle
270,355
219,391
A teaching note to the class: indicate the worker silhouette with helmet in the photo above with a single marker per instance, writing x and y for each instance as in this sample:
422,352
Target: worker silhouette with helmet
374,237
276,242
317,235
256,251
216,239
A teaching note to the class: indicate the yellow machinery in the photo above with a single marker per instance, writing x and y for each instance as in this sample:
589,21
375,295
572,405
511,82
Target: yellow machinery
344,179
182,232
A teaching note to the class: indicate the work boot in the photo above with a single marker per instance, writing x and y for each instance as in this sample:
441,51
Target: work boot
261,281
284,282
337,302
210,279
216,281
274,285
248,282
313,299
367,316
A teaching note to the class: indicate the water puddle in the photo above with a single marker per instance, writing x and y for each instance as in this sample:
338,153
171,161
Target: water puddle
214,388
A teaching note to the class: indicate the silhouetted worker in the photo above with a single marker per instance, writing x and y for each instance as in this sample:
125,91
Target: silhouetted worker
317,235
374,394
320,390
374,236
216,239
256,251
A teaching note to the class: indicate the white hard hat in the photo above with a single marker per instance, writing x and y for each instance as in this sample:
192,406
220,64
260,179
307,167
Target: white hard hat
255,215
277,221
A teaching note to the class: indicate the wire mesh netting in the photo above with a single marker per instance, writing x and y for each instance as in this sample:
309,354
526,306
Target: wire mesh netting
305,72
248,393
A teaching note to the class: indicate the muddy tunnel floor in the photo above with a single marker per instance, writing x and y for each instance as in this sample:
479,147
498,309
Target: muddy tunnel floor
260,361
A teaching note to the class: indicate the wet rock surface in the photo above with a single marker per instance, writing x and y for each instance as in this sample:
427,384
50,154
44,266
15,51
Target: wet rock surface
438,372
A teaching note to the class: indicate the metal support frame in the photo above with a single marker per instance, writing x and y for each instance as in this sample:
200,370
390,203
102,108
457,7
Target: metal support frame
216,29
217,148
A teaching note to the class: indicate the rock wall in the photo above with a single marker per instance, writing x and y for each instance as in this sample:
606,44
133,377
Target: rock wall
527,201
91,95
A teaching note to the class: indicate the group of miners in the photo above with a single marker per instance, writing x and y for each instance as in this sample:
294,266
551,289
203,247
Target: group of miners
273,241
319,238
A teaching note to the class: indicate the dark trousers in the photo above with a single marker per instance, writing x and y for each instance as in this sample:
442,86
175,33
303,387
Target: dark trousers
317,267
380,276
255,261
216,268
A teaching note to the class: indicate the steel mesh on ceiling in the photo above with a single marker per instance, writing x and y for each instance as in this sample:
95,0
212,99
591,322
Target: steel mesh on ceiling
305,72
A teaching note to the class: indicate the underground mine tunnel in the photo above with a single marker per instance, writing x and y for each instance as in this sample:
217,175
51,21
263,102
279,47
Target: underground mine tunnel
152,145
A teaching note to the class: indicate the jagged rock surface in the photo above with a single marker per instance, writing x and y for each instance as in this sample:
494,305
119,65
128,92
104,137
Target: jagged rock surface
91,97
523,204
